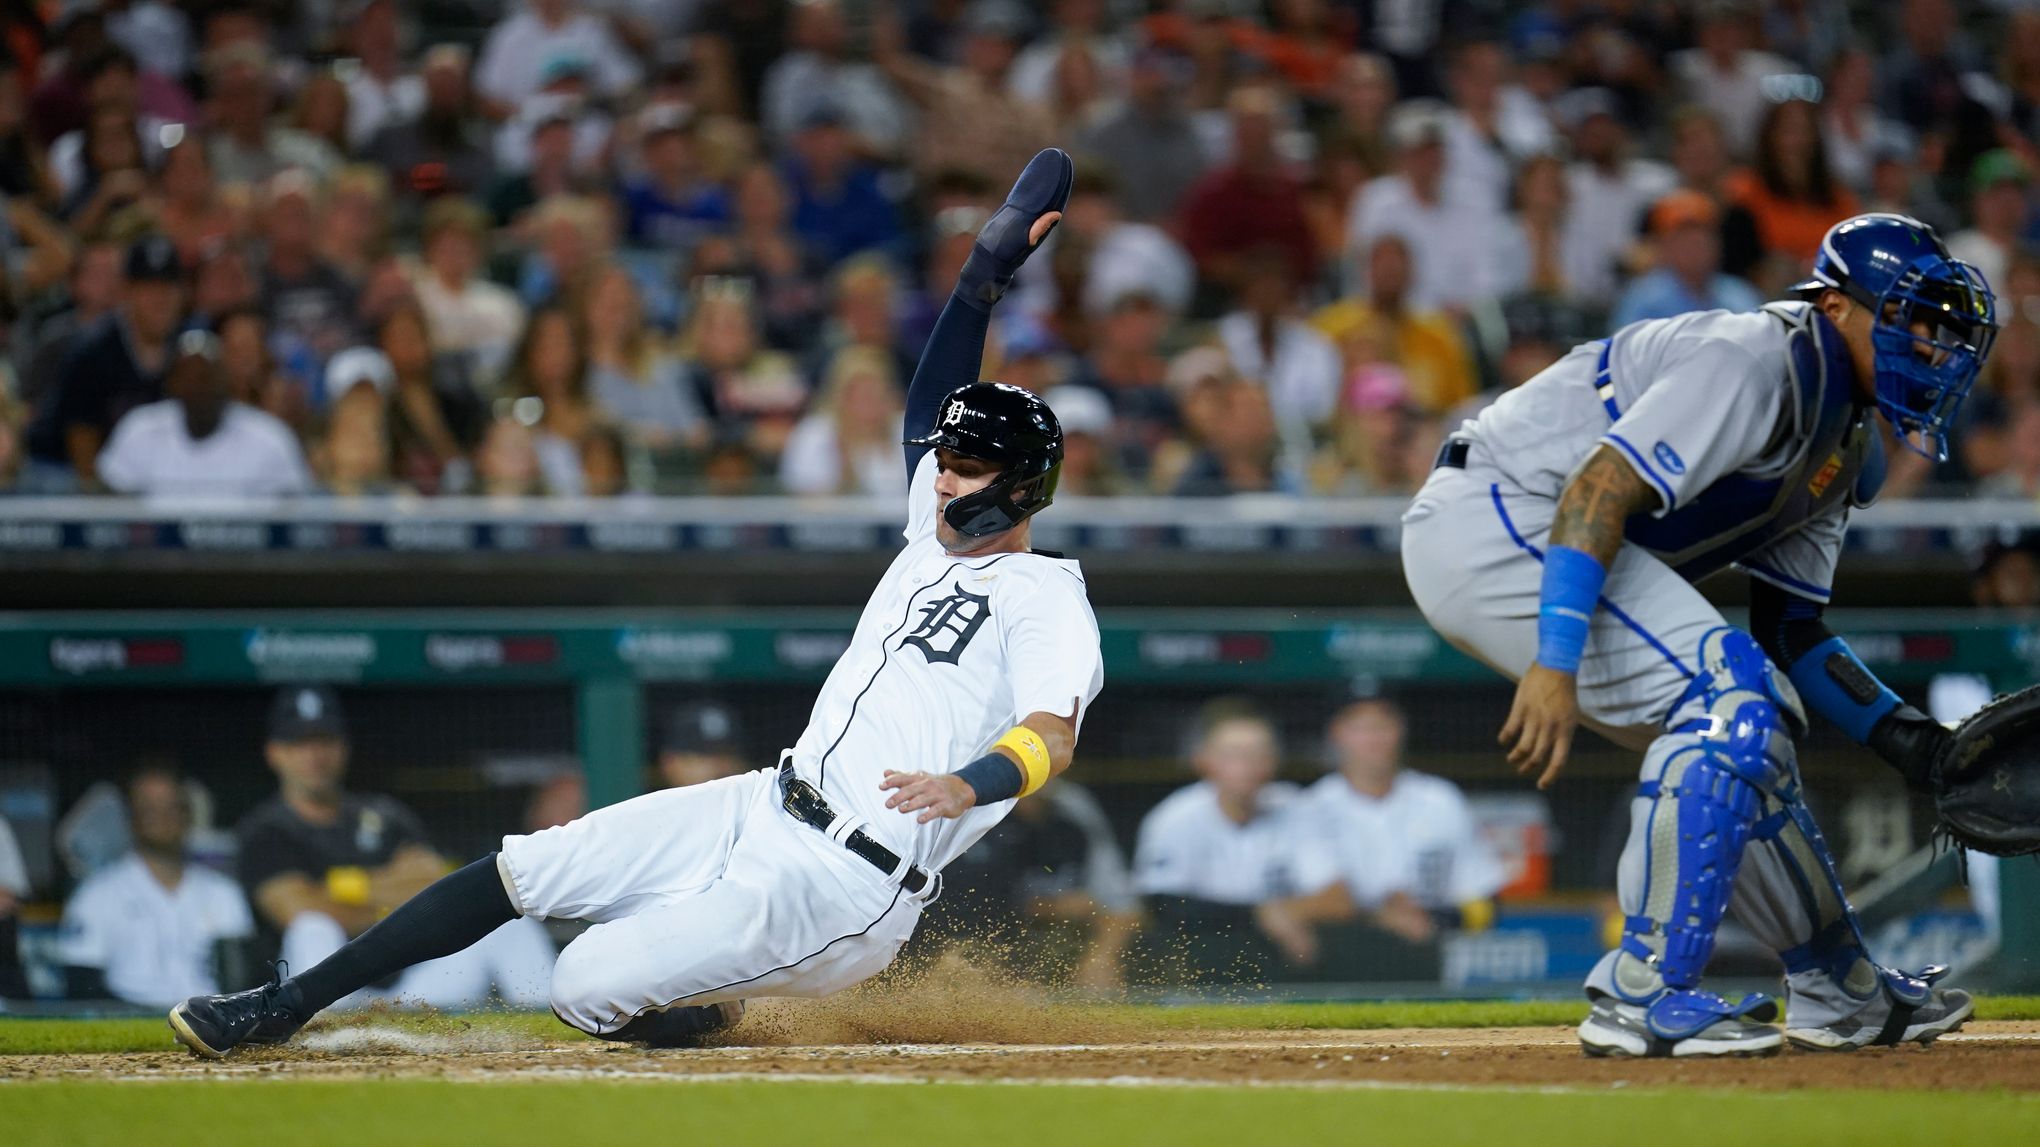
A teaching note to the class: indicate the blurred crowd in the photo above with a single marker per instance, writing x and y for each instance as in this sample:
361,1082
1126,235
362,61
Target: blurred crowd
630,247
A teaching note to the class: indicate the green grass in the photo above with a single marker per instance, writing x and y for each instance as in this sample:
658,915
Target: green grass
30,1036
388,1112
20,1036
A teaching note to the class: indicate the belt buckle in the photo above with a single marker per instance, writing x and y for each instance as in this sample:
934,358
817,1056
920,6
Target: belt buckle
790,792
803,802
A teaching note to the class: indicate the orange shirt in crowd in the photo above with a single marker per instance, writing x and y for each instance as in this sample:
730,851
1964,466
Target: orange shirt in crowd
1310,65
1789,228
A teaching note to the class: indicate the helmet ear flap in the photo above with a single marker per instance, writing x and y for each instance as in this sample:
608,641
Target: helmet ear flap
1009,500
1029,495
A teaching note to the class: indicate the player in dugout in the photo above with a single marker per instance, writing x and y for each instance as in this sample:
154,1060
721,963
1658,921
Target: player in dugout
322,865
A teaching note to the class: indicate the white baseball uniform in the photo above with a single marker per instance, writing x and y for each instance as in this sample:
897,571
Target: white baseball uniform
1419,838
715,892
1188,846
154,944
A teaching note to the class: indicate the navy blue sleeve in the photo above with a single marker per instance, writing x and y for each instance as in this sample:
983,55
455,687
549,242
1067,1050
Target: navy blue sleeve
954,355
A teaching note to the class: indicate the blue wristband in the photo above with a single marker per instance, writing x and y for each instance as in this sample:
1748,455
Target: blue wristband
993,777
1565,606
1835,683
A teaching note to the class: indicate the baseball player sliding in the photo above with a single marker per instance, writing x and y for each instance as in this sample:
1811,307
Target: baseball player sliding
963,689
1558,541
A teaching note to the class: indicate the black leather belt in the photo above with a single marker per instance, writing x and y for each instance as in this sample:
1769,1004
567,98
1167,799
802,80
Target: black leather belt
1453,453
805,803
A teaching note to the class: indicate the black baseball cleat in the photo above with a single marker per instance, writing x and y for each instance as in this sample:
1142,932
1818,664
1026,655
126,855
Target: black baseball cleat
212,1026
679,1027
1002,244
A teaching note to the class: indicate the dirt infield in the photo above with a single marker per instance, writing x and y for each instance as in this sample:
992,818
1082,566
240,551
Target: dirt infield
795,1041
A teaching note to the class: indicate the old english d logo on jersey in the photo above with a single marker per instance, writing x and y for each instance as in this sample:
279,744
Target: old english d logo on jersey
948,624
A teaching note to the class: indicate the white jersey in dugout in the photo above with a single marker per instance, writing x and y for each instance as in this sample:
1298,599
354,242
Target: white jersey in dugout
950,653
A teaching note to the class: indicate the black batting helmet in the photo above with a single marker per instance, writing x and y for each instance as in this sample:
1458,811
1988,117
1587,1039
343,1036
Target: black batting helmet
999,423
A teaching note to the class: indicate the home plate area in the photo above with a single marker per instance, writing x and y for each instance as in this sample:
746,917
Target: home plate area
790,1042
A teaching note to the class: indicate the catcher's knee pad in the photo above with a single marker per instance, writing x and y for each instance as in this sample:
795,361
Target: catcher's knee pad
1738,701
1736,724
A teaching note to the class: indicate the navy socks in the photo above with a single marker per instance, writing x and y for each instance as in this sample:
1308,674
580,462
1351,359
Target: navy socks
454,912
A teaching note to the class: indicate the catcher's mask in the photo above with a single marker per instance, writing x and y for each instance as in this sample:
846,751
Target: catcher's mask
1898,269
1011,428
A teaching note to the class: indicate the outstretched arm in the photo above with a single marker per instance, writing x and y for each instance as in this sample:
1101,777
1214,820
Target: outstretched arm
1835,683
956,348
956,351
1599,499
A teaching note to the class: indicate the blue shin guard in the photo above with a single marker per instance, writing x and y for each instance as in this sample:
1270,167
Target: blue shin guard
1836,951
1703,816
1729,745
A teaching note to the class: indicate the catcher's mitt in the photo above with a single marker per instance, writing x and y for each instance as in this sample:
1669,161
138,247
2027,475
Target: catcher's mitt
1987,778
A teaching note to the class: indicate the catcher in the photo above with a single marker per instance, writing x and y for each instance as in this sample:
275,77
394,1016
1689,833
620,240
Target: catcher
1558,540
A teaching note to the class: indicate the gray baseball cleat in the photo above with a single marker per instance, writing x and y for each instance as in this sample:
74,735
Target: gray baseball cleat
1909,1009
1615,1028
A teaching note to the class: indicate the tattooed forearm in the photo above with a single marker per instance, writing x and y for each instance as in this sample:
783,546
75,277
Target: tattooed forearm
1598,499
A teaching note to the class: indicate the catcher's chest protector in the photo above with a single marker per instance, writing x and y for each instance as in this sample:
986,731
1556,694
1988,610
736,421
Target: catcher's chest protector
1835,455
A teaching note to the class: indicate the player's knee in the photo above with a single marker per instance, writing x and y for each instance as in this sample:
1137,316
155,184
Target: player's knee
577,987
1739,703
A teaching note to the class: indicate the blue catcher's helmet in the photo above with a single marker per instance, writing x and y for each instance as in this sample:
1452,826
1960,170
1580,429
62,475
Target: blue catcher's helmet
1899,270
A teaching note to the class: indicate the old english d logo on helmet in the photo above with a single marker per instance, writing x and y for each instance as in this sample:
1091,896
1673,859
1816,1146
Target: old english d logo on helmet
1011,428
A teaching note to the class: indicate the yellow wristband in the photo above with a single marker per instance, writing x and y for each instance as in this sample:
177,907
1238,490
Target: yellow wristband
1032,752
347,885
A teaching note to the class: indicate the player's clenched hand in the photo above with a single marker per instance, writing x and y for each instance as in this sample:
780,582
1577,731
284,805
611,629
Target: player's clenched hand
930,794
1539,731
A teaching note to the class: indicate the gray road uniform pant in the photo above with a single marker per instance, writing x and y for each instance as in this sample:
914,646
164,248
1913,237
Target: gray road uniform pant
1472,551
